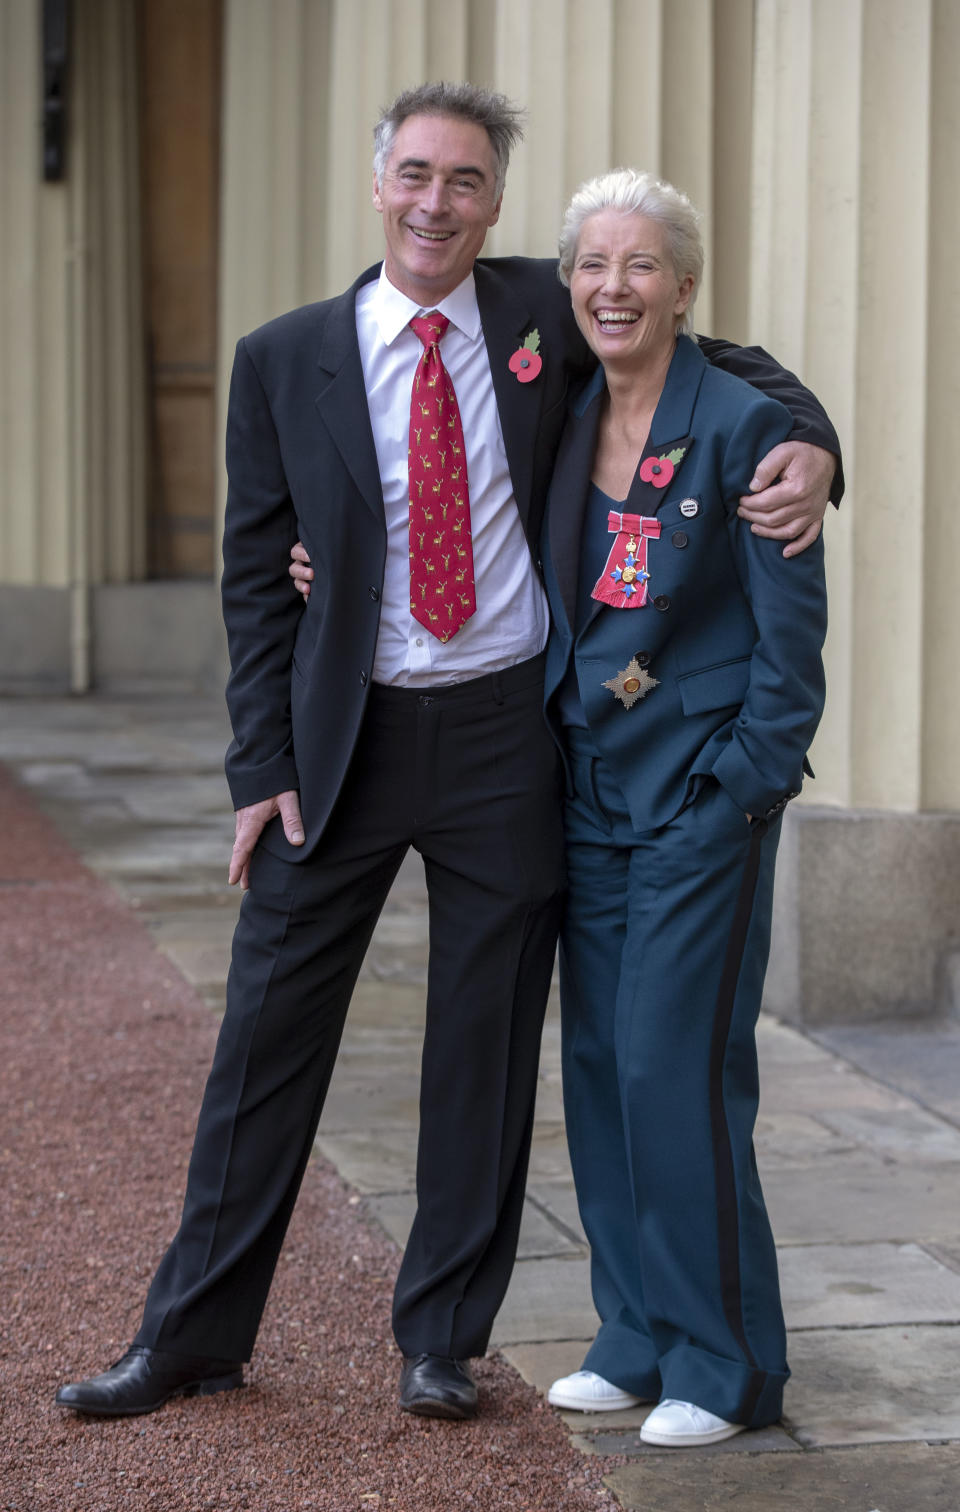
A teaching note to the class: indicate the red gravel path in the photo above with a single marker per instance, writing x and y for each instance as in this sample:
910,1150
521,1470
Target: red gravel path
103,1052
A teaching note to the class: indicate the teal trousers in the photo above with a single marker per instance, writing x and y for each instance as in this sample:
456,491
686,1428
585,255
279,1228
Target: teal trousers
664,946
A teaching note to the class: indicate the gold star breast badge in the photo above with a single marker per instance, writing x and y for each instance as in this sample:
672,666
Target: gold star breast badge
632,684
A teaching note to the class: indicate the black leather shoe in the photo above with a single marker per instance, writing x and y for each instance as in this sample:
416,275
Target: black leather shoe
434,1387
146,1378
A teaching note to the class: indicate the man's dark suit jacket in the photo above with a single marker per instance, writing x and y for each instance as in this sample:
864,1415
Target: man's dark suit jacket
301,463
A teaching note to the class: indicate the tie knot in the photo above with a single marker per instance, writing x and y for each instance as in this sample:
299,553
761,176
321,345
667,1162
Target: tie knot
430,328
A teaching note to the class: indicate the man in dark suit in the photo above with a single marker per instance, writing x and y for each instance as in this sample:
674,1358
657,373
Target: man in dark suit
402,708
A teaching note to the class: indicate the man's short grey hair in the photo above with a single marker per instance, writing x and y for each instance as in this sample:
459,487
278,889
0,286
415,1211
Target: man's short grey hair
500,119
635,193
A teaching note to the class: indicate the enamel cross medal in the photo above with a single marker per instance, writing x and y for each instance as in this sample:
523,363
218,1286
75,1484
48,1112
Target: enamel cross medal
623,582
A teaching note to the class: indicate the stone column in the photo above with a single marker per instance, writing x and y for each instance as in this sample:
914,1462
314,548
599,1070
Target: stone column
71,380
35,536
855,163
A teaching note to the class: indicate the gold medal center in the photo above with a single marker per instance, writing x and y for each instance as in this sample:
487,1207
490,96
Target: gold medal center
631,684
628,574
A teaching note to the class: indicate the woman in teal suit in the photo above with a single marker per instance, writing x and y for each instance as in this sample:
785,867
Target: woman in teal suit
684,685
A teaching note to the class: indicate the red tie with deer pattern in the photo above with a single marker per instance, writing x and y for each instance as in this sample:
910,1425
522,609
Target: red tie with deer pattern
442,594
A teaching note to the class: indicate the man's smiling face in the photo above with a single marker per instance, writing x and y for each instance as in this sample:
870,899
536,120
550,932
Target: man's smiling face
438,199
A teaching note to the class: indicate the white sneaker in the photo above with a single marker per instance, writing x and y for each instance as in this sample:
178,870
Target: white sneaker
680,1424
586,1392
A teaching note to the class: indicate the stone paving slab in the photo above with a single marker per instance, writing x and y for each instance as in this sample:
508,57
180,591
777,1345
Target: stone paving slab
922,1061
374,1160
785,1046
542,1239
900,1133
863,1385
559,1200
58,779
402,1040
154,797
881,1478
173,916
857,1199
539,1238
548,1300
772,1440
204,887
122,752
361,1057
786,1139
391,965
946,1255
549,1156
398,1006
160,799
153,732
863,1285
391,1101
542,1364
197,942
815,1089
157,855
549,1095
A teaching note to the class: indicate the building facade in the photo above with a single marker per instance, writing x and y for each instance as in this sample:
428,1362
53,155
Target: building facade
216,170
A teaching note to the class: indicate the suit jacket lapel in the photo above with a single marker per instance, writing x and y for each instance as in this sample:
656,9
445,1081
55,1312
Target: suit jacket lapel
674,413
570,488
670,428
506,320
342,399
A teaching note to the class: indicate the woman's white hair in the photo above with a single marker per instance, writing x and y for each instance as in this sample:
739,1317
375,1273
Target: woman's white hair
633,193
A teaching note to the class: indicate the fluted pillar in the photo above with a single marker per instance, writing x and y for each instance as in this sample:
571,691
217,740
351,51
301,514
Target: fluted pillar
940,730
72,498
34,277
854,215
852,220
105,315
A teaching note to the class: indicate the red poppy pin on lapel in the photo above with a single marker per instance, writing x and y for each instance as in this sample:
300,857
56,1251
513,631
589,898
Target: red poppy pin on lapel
659,470
526,361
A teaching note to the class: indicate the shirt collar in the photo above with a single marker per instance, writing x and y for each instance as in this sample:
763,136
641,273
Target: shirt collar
394,311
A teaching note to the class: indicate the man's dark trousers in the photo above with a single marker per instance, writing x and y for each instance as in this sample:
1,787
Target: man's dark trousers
467,775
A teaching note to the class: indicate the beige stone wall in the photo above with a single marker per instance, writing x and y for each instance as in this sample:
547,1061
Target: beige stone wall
819,137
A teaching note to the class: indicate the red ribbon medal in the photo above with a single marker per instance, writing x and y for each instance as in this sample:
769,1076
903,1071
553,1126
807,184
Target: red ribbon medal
623,582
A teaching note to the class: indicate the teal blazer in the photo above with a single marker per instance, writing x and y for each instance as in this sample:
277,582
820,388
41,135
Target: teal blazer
730,631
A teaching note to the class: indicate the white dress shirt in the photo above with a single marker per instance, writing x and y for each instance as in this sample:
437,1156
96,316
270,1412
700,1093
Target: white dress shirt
510,622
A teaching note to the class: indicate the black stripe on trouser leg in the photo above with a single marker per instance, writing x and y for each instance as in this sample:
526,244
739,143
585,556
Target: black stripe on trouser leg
728,1237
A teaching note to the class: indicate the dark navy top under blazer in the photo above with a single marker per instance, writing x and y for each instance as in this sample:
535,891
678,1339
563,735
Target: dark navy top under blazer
731,630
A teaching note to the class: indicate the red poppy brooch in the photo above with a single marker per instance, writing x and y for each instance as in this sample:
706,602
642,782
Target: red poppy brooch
526,361
660,470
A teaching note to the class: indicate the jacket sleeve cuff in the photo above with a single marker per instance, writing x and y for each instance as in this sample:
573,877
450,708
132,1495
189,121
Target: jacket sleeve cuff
747,787
252,784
